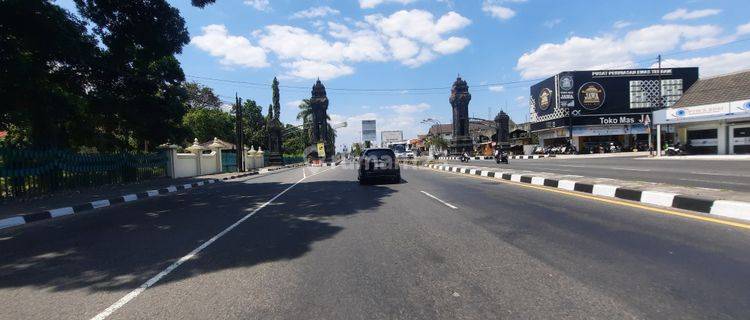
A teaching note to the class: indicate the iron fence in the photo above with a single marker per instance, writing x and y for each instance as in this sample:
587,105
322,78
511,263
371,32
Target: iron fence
29,173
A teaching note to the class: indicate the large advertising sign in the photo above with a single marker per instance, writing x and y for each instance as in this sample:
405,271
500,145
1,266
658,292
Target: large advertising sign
368,130
391,136
608,94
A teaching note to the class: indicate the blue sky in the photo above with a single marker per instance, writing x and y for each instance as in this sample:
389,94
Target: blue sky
498,46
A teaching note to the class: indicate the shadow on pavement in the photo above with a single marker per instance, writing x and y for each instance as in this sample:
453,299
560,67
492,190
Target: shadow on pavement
130,244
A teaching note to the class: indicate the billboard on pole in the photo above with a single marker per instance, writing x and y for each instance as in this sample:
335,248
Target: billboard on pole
369,132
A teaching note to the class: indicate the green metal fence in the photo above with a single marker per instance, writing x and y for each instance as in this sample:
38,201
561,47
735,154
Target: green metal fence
290,159
29,173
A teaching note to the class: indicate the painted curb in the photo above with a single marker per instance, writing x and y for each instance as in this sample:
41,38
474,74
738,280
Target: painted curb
18,220
724,208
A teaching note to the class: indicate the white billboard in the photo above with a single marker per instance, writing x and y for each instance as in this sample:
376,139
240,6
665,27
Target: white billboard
391,136
369,132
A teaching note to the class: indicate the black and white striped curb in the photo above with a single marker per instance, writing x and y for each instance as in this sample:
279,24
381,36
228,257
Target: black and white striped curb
724,208
66,211
509,157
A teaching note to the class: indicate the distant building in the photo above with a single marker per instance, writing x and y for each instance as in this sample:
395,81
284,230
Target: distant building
713,116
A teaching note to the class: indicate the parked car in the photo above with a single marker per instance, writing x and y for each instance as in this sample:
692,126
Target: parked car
378,163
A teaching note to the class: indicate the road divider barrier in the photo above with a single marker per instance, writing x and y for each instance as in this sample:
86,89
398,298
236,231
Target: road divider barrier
718,207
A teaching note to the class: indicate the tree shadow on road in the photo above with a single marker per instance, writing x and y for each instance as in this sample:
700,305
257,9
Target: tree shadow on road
120,248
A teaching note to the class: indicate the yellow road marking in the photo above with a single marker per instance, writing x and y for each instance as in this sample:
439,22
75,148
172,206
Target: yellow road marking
610,201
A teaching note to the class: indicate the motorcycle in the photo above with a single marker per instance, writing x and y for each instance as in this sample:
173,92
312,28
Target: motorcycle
463,158
676,150
501,157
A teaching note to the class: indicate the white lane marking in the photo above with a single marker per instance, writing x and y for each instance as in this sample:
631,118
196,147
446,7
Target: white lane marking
129,197
130,296
152,193
441,201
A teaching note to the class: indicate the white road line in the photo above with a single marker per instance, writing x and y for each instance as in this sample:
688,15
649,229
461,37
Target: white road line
130,296
441,201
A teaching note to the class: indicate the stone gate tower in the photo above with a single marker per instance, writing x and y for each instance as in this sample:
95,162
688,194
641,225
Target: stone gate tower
459,100
502,123
319,106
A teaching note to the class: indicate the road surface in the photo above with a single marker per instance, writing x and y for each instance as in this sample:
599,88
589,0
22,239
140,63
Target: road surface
728,175
436,246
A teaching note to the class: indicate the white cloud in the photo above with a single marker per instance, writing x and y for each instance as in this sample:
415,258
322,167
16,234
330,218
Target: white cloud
684,14
408,108
574,54
233,50
412,38
608,51
293,104
369,4
552,23
451,45
497,11
261,5
621,24
714,65
309,69
659,38
315,12
743,29
497,88
296,43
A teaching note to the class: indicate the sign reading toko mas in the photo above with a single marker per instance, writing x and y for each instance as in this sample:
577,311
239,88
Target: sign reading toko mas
605,95
368,130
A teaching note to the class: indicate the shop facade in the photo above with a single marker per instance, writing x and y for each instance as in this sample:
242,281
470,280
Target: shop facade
713,117
604,107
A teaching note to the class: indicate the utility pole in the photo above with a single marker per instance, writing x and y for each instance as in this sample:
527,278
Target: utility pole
238,128
651,146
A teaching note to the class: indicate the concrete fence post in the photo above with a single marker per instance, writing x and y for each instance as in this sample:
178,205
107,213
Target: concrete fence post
197,150
261,160
251,154
216,147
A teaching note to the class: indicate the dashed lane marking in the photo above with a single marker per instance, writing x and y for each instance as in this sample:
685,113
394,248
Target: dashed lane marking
441,201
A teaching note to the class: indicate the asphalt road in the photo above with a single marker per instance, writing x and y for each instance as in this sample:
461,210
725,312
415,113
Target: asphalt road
331,249
728,175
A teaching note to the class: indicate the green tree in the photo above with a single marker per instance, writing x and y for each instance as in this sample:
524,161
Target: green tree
305,115
205,124
294,140
46,57
137,89
436,141
200,97
356,149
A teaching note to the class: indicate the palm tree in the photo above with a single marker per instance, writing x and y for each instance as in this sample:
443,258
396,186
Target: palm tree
305,114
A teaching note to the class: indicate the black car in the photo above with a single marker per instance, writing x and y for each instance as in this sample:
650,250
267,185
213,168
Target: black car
378,163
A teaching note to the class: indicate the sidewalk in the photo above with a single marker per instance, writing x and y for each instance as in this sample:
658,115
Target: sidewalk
65,203
73,197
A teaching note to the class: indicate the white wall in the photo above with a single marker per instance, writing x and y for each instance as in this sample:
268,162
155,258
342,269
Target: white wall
185,165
